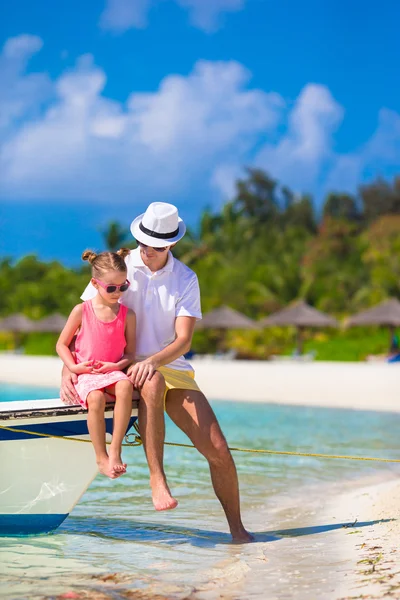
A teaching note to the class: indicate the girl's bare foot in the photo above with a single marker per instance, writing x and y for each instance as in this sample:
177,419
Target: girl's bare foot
161,495
104,467
115,463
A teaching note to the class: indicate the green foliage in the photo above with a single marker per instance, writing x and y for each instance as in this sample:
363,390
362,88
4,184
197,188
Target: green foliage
43,344
341,206
6,341
38,289
349,345
262,250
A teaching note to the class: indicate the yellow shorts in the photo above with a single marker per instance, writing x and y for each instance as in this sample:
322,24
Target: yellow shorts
179,380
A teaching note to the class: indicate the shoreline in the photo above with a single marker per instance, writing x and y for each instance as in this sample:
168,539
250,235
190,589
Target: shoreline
359,386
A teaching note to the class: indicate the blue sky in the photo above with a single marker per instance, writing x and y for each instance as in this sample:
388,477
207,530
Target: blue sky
106,106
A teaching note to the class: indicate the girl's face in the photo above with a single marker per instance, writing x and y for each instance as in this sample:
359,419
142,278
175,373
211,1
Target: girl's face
111,285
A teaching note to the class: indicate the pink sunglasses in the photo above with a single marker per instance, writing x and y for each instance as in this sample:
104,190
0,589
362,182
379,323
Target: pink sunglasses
111,288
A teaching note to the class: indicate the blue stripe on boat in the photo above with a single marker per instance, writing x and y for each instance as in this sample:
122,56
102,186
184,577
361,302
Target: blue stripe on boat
59,428
29,524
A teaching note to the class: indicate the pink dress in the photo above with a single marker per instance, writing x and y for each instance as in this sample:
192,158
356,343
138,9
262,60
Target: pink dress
98,340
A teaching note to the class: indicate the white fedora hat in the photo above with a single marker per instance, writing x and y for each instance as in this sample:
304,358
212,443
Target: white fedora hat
159,226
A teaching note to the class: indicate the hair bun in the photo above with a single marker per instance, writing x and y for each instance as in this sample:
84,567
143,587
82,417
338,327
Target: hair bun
123,252
89,255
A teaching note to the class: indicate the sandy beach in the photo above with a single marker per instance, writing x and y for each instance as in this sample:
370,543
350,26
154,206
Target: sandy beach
372,544
366,386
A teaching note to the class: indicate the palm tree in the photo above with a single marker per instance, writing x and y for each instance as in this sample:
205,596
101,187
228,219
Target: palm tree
115,236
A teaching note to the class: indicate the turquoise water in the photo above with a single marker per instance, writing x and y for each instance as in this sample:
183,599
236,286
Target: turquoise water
10,392
114,528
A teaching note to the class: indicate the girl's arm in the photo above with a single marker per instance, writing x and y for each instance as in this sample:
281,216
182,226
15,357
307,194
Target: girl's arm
62,347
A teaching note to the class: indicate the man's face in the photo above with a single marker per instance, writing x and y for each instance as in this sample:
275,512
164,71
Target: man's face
154,258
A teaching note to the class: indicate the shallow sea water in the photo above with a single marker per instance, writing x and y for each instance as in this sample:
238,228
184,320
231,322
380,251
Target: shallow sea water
114,543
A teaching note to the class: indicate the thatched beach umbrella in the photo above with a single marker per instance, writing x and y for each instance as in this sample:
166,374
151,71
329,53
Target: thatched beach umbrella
223,318
386,314
300,315
17,324
53,323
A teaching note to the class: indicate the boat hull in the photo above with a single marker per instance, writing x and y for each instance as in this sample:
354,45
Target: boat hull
43,478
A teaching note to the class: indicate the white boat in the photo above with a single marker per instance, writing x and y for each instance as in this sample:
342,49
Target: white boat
42,478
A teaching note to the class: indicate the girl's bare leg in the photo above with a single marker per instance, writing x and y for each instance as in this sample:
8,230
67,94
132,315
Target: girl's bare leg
96,402
122,415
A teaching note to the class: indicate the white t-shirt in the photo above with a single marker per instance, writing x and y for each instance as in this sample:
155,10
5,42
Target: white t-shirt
157,299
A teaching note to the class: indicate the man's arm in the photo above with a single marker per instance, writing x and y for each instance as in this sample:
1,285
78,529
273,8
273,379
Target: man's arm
68,392
184,328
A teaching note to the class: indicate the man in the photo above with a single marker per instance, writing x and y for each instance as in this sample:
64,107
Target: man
164,294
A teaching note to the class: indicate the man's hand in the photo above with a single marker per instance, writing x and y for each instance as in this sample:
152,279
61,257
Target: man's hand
141,371
68,393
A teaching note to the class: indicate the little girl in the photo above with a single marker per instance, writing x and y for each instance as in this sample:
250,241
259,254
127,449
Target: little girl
104,346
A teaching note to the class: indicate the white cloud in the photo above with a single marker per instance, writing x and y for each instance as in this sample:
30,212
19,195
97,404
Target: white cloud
20,93
304,157
224,179
299,156
85,145
381,151
22,47
208,110
192,136
384,146
206,14
121,15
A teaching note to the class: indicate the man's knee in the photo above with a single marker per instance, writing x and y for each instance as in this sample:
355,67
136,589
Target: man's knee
153,389
218,451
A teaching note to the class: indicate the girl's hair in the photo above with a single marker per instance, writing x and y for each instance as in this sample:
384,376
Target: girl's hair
106,261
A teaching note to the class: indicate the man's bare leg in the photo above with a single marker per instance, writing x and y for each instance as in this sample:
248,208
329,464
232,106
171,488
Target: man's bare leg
152,432
192,413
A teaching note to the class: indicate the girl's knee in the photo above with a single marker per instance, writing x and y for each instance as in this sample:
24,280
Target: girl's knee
124,385
96,400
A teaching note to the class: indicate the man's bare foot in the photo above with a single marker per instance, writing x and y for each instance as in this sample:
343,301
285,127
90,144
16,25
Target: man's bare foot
242,537
161,496
104,468
115,463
